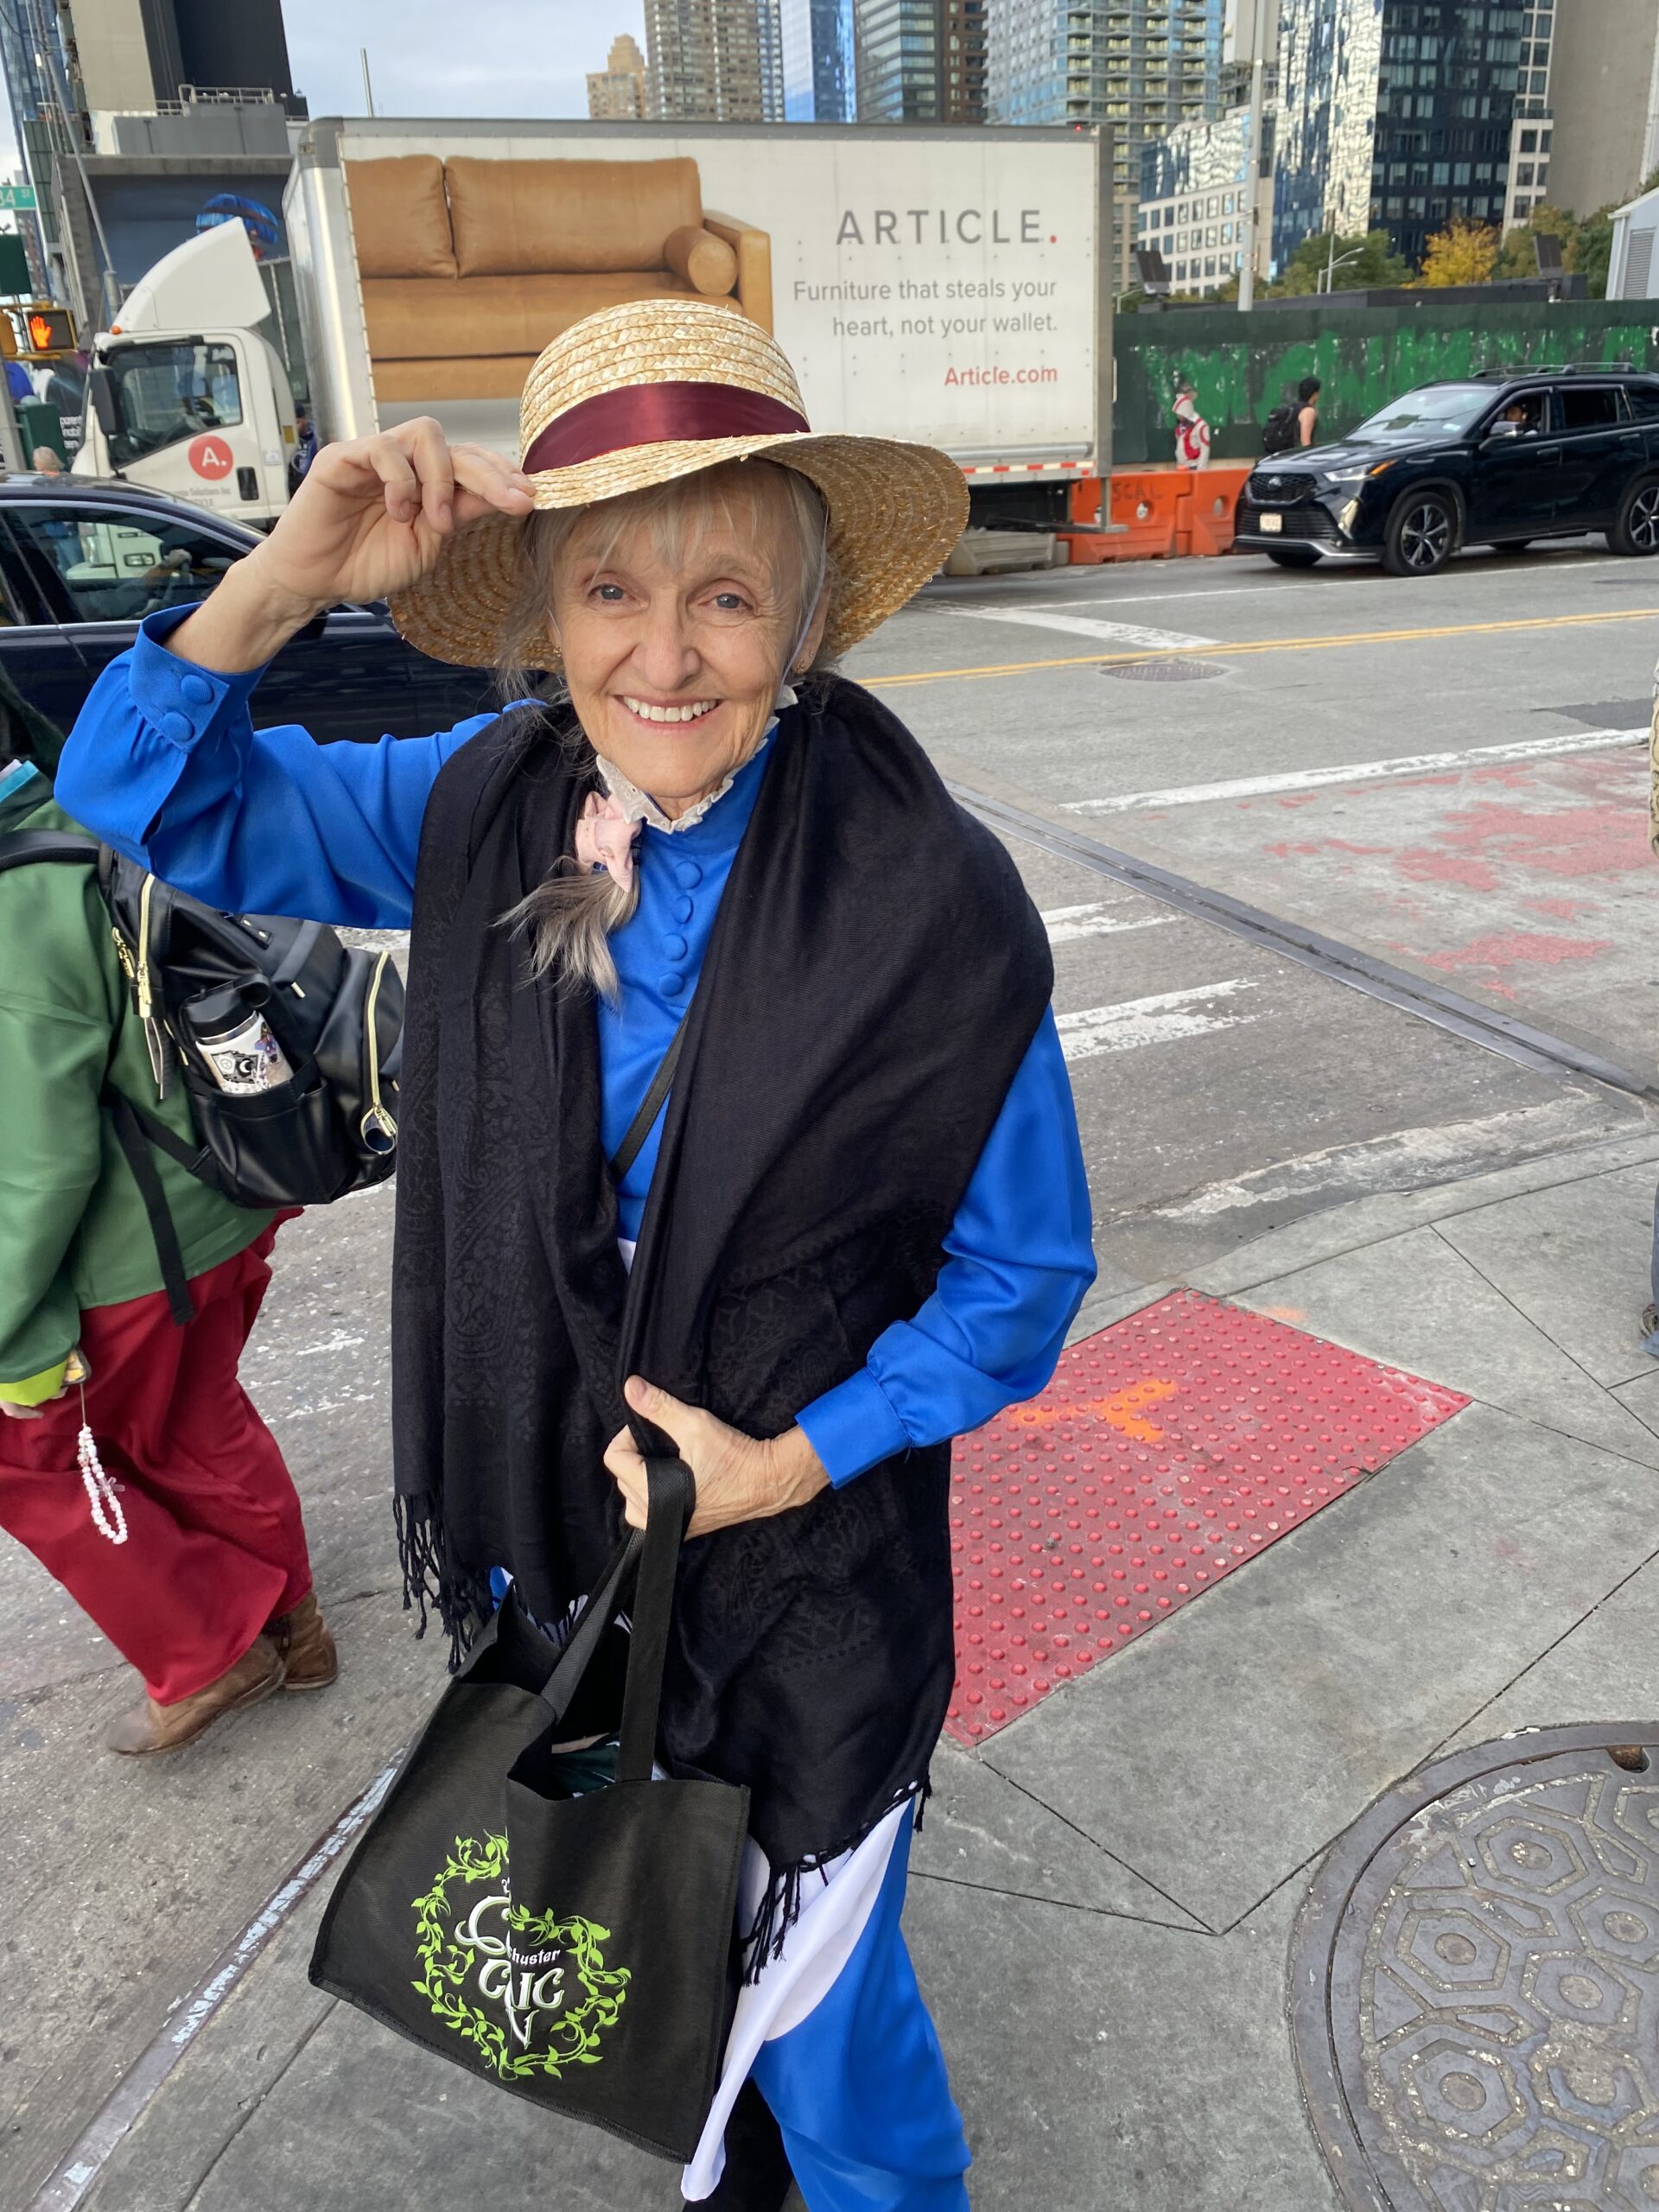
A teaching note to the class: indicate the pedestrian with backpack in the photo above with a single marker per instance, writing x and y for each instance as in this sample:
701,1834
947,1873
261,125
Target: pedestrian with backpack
1294,423
132,1462
1192,432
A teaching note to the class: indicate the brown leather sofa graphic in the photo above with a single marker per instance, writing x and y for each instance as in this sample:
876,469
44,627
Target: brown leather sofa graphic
468,267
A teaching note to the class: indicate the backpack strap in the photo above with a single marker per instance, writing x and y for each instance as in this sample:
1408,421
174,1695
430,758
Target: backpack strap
135,1132
24,848
650,1106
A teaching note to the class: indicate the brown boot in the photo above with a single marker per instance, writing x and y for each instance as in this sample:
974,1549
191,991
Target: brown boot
307,1649
155,1727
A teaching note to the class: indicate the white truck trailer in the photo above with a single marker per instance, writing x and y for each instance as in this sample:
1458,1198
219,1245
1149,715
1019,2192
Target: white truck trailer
185,394
944,285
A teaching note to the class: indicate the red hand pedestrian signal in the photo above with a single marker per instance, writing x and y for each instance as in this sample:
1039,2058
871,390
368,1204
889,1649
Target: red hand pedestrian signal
211,458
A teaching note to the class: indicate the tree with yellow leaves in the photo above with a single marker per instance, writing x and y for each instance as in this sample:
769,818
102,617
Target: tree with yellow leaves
1463,253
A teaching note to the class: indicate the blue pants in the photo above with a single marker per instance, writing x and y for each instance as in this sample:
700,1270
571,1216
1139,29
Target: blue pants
859,2087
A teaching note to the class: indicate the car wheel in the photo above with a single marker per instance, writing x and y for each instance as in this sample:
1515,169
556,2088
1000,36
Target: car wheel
1422,534
1635,526
1291,556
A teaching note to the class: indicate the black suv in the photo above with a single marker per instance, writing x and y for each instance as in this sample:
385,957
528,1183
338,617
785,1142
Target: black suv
1499,460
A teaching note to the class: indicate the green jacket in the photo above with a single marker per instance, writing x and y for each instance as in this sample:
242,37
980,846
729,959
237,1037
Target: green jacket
73,1233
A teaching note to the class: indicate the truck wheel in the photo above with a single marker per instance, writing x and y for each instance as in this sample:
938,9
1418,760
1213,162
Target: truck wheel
1635,526
1421,535
1291,556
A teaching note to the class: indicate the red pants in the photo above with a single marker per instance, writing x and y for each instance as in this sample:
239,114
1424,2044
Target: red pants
215,1544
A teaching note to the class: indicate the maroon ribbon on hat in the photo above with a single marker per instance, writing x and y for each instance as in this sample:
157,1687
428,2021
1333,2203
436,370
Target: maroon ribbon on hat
656,414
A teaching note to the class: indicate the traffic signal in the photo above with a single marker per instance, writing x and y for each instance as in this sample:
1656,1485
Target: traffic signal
49,330
42,329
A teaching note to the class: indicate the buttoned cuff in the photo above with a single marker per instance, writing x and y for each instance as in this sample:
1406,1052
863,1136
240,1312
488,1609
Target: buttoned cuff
852,1427
35,1389
176,698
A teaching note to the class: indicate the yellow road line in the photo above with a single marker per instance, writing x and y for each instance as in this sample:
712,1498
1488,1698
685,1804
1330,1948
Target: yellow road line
1265,645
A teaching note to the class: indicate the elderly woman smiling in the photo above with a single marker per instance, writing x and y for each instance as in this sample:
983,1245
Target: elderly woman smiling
733,1117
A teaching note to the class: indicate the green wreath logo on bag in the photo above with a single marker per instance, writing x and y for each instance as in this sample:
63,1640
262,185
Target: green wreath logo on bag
550,1993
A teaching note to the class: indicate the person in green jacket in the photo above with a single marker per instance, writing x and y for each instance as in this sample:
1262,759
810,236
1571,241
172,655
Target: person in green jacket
132,1462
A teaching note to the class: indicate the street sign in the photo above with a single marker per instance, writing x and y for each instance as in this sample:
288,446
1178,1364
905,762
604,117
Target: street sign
18,196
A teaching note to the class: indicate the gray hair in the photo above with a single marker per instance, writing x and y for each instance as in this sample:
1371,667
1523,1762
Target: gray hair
571,914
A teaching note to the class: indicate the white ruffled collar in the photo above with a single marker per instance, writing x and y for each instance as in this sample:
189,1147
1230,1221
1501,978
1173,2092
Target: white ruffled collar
639,806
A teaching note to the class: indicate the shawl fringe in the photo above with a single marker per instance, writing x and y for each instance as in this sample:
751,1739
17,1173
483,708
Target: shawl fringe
780,1907
432,1582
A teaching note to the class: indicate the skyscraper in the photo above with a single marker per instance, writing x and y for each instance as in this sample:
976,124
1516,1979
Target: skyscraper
616,93
1139,64
703,61
1398,115
769,25
920,60
818,70
1603,97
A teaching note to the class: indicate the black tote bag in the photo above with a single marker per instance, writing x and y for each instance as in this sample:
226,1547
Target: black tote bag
580,1951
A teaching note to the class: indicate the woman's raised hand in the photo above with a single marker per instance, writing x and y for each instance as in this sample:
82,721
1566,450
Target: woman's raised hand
738,1477
370,518
372,514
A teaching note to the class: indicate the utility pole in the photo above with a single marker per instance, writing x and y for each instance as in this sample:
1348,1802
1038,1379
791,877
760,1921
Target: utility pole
1251,30
368,89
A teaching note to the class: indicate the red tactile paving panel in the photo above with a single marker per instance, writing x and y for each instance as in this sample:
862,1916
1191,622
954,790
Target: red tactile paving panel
1168,1450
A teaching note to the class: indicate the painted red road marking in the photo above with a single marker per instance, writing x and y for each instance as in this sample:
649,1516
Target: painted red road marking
1077,1522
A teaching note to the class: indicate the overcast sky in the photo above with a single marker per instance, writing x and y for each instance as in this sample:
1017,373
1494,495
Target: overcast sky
468,57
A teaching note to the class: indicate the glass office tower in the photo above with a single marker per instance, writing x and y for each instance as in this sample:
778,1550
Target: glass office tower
819,81
1395,115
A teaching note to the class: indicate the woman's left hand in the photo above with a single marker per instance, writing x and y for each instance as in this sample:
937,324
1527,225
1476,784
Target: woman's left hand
738,1477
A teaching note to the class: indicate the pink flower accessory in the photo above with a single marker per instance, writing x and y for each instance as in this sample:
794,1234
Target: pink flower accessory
604,836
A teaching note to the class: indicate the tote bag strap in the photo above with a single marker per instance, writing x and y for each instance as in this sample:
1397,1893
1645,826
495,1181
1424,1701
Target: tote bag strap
604,1601
671,1499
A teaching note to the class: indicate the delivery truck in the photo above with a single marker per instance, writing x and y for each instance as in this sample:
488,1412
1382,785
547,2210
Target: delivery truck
185,394
947,285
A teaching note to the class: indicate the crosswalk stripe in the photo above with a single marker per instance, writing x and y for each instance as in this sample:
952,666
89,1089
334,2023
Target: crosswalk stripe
1166,1018
1066,924
1362,772
1084,626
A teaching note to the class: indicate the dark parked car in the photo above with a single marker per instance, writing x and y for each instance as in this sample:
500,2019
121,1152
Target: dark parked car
1494,460
82,561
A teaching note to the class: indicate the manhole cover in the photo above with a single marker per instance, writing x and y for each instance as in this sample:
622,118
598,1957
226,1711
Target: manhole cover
1475,1983
1172,668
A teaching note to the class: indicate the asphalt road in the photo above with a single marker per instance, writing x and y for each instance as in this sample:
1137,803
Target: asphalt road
1446,775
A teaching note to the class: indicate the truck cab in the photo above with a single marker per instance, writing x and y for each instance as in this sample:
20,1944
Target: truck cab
197,405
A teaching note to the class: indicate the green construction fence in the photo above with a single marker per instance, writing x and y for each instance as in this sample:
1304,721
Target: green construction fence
1243,366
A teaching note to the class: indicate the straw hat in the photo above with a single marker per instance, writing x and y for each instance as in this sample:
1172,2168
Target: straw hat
657,389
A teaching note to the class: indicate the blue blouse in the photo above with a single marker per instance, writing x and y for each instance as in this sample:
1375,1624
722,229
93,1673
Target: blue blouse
165,764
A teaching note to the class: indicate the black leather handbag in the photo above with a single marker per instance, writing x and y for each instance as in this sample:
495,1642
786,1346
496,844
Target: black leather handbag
579,1950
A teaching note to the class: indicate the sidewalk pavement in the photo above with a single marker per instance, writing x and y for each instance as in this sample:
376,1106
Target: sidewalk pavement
1104,1891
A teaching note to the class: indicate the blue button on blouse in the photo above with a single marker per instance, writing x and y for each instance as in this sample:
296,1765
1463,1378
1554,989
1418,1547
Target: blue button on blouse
688,874
674,946
197,689
681,909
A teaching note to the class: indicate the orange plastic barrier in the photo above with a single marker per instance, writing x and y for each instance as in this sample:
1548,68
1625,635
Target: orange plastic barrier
1204,525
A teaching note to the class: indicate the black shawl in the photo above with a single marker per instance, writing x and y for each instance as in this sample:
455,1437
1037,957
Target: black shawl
875,974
